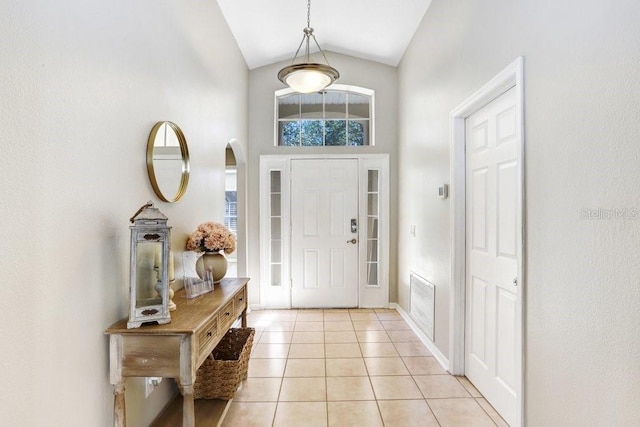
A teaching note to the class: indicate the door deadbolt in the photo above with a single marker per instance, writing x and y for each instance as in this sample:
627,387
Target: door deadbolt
354,225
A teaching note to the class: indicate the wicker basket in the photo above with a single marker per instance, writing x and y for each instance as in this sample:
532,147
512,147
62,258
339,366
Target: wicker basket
222,372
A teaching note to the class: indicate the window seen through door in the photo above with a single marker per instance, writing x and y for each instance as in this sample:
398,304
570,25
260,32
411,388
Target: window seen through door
332,117
231,195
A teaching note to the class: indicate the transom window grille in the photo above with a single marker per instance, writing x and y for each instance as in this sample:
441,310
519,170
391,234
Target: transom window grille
333,117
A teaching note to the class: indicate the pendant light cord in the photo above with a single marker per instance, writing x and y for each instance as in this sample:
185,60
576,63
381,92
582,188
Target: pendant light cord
308,30
308,34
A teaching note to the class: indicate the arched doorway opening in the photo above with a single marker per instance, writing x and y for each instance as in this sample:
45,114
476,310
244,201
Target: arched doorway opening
235,205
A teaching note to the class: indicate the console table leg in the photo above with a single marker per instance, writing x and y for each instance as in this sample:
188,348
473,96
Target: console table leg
119,413
188,409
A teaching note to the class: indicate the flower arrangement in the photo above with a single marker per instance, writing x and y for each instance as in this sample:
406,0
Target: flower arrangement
212,237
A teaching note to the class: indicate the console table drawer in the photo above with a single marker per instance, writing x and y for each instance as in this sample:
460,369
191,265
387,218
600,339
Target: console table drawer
226,316
208,335
240,302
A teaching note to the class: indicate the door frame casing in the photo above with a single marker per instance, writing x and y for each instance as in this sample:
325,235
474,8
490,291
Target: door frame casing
510,77
280,297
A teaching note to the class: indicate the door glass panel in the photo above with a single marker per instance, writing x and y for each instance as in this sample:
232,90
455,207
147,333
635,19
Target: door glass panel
372,228
275,233
372,181
276,228
373,187
372,250
372,203
276,275
276,251
275,204
372,274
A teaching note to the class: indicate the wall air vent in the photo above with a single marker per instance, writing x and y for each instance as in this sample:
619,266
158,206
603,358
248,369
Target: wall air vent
422,304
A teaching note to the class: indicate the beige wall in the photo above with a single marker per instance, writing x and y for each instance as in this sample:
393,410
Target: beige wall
581,134
263,82
81,84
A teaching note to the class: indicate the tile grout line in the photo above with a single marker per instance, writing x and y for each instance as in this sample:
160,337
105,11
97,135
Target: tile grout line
424,398
375,396
475,399
326,382
360,340
419,389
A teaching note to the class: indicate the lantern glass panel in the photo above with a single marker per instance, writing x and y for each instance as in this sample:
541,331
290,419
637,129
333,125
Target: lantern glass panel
148,271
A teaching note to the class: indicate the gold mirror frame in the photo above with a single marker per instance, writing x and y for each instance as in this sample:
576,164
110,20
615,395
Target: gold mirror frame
184,151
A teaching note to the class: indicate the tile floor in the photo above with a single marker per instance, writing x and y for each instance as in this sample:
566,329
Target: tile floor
349,368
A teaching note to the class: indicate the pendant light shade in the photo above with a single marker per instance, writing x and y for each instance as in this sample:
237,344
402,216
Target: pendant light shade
306,77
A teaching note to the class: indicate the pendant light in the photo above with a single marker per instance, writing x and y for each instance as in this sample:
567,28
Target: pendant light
307,77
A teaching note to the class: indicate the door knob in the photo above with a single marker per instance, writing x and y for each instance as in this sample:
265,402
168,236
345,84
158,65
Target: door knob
515,282
354,241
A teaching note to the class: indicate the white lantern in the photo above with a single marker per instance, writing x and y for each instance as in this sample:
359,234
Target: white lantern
149,268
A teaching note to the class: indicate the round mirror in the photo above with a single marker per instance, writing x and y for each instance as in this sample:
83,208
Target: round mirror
168,161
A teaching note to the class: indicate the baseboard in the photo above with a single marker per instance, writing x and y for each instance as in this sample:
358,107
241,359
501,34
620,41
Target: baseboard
444,362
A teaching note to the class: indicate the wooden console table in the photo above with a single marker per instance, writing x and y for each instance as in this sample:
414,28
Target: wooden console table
177,349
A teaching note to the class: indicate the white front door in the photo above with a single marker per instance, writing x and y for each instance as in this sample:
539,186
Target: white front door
492,253
324,247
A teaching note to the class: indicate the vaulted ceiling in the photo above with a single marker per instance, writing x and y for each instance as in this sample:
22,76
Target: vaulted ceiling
269,31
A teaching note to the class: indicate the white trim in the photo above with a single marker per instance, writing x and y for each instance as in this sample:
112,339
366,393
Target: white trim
441,358
511,76
377,296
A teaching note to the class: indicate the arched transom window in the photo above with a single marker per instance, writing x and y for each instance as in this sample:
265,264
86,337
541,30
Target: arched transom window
338,116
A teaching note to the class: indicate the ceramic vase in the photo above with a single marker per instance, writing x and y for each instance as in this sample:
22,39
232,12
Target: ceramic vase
214,262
